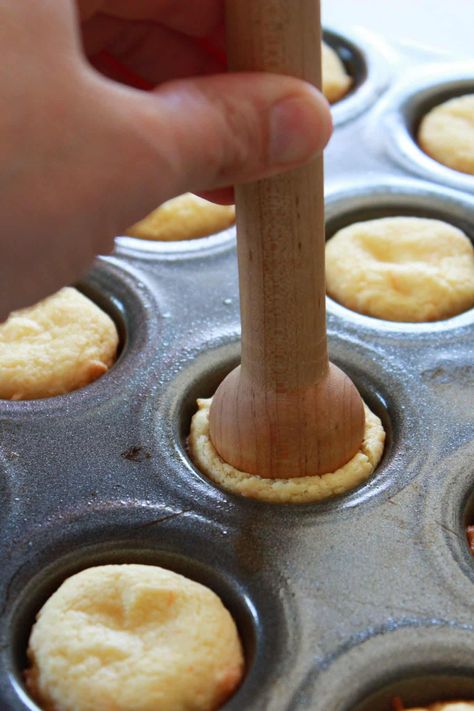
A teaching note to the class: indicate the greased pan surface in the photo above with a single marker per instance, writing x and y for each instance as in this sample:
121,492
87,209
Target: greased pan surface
341,605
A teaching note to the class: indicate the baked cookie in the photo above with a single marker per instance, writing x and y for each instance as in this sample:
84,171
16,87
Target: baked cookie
185,217
298,490
133,638
58,345
446,133
336,81
470,538
401,269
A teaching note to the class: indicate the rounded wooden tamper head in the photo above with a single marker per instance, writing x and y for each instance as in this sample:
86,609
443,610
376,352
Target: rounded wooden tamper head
286,412
294,433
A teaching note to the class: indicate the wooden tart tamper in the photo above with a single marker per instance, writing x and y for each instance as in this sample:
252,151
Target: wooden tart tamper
286,411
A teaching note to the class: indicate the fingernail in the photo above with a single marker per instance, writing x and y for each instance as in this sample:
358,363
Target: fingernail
299,130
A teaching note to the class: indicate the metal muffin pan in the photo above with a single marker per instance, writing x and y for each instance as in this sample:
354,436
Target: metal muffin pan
341,605
131,248
404,107
366,63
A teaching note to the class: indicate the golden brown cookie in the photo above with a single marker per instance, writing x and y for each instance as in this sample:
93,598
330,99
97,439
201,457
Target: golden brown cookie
185,217
446,133
58,345
298,490
133,638
470,538
336,80
401,269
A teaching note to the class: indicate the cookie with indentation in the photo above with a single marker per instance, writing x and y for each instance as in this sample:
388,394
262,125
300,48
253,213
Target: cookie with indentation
58,345
184,217
133,638
401,269
336,80
297,490
446,133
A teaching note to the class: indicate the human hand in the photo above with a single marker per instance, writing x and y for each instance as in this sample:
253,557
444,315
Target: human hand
84,156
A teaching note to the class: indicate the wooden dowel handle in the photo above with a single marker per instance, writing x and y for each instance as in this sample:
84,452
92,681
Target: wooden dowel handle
280,220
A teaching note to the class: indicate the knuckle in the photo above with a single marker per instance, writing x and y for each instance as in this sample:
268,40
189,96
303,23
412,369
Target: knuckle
241,150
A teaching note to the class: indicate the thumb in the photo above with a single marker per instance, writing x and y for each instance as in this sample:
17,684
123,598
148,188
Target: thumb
208,133
99,156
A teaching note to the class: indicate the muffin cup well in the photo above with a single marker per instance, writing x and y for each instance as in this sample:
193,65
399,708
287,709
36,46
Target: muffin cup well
124,296
171,539
421,661
388,197
402,110
153,250
383,383
367,66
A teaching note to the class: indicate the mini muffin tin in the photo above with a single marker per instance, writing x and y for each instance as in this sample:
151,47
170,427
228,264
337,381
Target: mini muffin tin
341,605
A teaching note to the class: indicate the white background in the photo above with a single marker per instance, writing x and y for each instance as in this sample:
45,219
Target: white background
446,25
